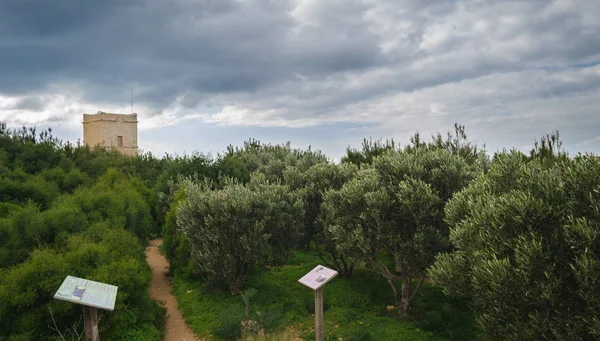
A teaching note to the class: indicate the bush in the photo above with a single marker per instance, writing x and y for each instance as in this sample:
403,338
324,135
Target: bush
110,255
395,208
233,230
29,188
26,292
175,246
53,225
230,327
67,182
312,184
116,200
527,248
362,334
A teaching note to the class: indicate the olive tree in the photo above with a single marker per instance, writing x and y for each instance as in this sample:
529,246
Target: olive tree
396,207
455,142
238,228
526,240
267,159
312,185
370,150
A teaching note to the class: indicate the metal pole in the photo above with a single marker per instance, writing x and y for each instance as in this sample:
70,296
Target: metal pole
90,322
319,314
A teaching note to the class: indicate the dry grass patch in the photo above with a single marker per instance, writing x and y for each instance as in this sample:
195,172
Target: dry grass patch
289,334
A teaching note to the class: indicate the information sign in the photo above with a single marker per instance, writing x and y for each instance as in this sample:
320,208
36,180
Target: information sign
317,277
86,292
315,280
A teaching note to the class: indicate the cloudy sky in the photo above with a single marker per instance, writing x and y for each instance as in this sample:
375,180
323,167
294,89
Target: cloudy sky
326,73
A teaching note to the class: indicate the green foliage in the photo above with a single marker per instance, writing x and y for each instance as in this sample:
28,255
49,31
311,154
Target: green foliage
66,181
19,188
269,160
361,334
101,253
370,150
235,229
176,247
147,332
527,248
60,215
174,168
396,207
7,208
312,184
230,324
354,307
523,238
548,150
455,143
25,292
114,199
448,316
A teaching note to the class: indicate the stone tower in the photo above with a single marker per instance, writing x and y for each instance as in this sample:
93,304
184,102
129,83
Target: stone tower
111,131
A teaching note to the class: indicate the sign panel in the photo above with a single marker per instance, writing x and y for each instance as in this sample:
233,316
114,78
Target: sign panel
86,292
317,277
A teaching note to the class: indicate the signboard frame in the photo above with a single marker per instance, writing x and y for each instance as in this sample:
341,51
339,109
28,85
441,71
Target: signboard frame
91,295
86,292
316,279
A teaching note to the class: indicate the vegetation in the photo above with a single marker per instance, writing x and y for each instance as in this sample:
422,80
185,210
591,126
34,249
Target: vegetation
527,247
396,207
312,185
58,219
405,206
433,240
238,228
355,308
225,231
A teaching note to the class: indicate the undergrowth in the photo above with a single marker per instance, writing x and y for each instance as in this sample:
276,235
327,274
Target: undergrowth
354,309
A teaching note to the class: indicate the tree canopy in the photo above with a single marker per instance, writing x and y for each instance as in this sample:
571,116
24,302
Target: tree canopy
527,248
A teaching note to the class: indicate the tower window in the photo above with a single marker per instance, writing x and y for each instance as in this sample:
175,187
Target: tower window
120,141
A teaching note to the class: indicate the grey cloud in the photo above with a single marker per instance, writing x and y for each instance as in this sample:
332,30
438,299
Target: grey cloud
321,61
32,103
219,46
40,19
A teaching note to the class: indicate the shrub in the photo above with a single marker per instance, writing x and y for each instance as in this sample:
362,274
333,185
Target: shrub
395,207
230,326
52,225
527,248
28,188
175,246
233,230
312,184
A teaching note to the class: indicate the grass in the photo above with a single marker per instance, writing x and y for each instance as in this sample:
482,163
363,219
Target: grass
354,308
289,334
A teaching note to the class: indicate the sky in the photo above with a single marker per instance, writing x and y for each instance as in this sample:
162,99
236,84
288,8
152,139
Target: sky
323,73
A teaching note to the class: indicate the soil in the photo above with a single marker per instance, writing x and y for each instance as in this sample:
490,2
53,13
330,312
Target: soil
160,289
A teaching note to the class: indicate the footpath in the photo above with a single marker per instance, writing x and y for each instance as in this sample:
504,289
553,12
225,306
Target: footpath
160,289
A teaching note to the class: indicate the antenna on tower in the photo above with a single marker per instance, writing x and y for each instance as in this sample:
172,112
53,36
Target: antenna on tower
132,101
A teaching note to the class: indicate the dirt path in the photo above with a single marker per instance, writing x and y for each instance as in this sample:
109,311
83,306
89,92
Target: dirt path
160,289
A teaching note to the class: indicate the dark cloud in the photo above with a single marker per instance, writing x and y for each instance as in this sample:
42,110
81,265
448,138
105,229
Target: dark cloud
45,19
210,46
302,62
31,103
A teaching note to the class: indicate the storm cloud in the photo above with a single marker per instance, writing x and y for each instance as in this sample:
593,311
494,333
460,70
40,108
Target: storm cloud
508,70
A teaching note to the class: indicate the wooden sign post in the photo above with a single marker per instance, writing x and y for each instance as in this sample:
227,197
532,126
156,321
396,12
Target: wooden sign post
91,295
315,280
